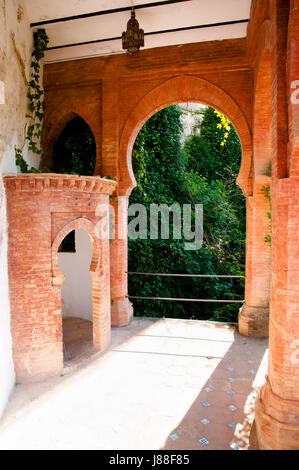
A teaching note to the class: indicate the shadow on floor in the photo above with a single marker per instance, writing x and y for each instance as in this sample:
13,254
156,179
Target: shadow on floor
222,415
163,383
78,354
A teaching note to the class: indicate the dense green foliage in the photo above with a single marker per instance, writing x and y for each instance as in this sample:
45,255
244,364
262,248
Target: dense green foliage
75,150
202,171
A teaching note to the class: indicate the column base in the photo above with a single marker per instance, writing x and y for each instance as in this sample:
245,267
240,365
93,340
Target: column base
276,421
121,312
254,321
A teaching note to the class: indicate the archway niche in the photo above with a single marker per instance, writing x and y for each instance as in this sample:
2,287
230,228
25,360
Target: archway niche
74,257
84,268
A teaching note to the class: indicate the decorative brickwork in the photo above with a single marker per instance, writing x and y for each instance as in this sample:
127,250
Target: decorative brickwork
133,89
252,81
274,26
42,210
183,89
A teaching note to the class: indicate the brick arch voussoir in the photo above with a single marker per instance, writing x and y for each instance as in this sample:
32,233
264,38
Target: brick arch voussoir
185,88
79,223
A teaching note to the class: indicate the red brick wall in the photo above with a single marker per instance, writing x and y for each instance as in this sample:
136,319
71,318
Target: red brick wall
120,83
250,81
42,210
274,27
128,91
62,106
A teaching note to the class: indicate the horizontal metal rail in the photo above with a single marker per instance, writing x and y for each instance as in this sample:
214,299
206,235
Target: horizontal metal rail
187,300
187,275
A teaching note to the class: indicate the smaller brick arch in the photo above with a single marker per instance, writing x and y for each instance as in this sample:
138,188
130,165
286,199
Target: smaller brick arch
185,88
100,290
56,121
80,223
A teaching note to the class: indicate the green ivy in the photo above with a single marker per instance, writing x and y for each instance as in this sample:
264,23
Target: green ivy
36,105
200,171
266,190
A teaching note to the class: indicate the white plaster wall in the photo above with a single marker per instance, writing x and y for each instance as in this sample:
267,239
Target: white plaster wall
189,117
7,375
15,59
76,290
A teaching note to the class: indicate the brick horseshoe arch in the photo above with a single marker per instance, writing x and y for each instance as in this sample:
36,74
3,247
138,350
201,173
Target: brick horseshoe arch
186,88
100,295
81,223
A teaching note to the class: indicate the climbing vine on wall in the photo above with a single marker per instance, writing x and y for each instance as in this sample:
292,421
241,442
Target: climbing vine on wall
36,105
266,191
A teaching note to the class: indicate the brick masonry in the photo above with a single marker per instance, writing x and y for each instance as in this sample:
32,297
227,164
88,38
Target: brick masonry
273,43
118,94
42,210
250,80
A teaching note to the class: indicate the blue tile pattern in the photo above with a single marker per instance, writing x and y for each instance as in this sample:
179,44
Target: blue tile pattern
232,408
234,446
204,442
206,404
205,421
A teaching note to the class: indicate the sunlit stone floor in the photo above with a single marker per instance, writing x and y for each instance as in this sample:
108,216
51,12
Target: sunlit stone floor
163,384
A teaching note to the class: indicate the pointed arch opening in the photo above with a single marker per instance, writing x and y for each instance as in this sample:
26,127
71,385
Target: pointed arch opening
75,149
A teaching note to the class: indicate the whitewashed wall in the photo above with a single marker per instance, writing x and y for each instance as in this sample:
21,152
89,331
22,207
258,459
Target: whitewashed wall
7,375
77,287
15,59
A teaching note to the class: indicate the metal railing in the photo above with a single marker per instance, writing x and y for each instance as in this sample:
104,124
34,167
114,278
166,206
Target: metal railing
186,275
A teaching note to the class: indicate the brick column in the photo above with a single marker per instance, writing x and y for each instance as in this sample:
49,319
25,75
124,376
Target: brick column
254,315
277,407
121,308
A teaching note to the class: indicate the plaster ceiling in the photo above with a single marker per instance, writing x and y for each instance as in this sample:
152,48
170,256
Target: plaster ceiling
156,20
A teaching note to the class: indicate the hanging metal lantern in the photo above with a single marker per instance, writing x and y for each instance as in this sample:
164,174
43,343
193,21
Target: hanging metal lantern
133,38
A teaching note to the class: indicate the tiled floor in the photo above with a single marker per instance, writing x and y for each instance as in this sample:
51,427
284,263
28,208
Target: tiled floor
163,384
